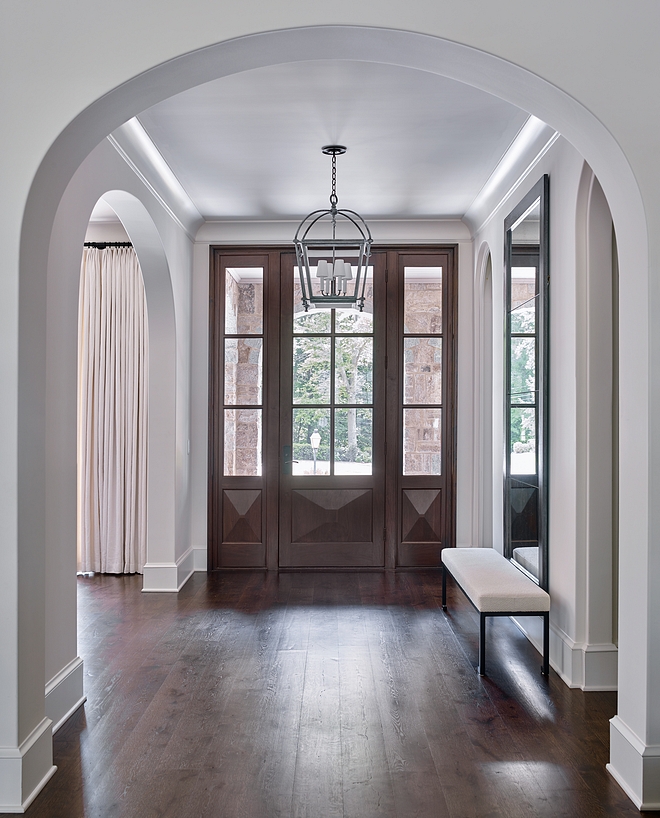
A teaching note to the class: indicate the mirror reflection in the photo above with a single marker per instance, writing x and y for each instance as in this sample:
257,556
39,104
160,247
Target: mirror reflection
525,540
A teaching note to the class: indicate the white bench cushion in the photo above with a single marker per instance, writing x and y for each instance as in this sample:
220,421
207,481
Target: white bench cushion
492,583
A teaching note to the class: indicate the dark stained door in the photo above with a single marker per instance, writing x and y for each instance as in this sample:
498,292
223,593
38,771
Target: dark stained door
332,423
332,432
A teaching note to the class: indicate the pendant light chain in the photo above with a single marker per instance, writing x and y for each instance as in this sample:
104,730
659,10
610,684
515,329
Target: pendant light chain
333,196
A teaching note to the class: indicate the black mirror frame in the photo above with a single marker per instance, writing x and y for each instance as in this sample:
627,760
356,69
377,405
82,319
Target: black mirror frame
540,192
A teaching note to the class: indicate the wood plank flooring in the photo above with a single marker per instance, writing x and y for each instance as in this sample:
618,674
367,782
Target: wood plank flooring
319,695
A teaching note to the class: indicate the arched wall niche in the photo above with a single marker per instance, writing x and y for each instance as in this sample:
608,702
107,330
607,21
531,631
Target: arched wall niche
483,389
597,425
417,51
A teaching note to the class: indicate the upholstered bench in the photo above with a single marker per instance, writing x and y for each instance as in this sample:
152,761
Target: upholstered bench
495,588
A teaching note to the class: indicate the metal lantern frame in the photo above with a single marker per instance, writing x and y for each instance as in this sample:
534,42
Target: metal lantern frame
310,245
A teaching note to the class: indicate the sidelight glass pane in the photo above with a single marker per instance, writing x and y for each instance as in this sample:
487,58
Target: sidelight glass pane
311,370
244,301
422,439
243,370
353,440
242,442
422,299
354,367
422,370
523,370
523,441
306,424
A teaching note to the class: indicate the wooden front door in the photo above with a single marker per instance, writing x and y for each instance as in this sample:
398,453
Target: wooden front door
331,431
332,394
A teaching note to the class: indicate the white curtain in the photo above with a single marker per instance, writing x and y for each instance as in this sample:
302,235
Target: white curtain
113,371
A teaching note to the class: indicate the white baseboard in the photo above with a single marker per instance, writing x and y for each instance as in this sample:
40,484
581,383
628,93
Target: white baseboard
635,766
200,558
25,770
64,693
581,665
168,576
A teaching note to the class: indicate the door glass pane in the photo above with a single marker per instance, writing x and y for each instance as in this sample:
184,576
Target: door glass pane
244,301
317,319
307,425
311,370
354,370
523,370
523,285
523,318
422,298
243,370
523,441
242,442
353,321
422,370
353,439
422,435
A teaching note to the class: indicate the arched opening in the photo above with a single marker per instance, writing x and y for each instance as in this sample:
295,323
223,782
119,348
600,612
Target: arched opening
63,667
113,392
40,439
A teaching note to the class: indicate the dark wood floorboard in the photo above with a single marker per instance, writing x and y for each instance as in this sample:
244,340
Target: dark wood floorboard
319,695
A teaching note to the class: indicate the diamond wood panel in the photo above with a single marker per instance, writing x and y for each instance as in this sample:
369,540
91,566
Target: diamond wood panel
421,515
524,513
241,516
331,515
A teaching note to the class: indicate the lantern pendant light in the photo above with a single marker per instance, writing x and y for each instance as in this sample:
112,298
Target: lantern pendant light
333,246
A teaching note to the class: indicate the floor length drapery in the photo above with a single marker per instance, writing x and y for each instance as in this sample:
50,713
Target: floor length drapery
112,412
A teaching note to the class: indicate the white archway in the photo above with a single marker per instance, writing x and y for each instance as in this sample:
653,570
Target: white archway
416,51
96,177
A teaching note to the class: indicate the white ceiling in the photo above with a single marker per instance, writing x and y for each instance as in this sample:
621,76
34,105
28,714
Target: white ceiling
249,145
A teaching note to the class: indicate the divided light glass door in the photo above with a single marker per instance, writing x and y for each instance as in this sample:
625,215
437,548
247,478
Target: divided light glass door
332,428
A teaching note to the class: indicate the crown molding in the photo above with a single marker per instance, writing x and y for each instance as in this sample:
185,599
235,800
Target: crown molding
532,142
384,231
136,148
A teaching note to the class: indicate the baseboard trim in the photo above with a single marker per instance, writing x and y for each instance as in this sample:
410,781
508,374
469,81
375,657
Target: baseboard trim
200,558
168,577
64,693
589,667
634,766
26,769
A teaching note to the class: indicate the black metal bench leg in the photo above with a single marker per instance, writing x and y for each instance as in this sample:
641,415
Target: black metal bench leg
444,588
545,670
482,644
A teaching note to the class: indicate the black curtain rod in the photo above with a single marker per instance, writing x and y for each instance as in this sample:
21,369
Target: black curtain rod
101,245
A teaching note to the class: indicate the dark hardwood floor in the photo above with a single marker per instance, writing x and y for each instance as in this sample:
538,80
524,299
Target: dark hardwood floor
315,695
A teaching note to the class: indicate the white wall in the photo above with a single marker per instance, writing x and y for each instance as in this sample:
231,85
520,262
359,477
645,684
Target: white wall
93,72
582,651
